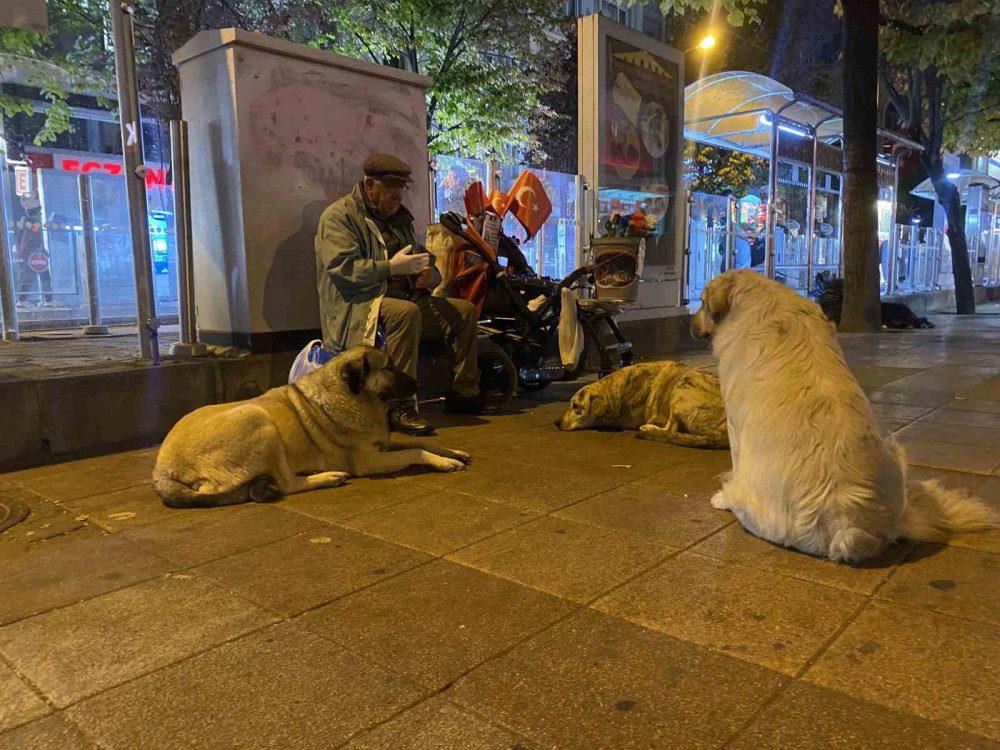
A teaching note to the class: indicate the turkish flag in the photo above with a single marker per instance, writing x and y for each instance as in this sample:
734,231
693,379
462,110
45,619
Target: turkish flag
530,203
475,199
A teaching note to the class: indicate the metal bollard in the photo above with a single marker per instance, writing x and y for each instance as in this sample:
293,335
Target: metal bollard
188,345
91,281
10,327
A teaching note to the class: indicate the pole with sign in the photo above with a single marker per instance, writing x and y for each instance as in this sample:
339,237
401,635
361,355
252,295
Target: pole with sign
135,176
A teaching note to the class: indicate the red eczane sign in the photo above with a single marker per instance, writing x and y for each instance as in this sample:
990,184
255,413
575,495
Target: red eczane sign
155,176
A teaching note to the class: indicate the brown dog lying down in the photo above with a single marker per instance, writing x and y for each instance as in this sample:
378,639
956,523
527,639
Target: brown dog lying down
326,427
666,401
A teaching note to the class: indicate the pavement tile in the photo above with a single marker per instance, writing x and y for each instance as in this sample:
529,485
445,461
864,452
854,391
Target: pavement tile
436,622
301,572
665,517
279,688
980,459
89,477
966,404
440,522
806,717
941,432
543,490
562,557
354,498
909,397
79,650
736,544
18,703
594,681
123,509
987,390
436,724
697,475
47,521
898,411
970,420
927,664
189,539
954,581
733,609
51,733
66,569
875,376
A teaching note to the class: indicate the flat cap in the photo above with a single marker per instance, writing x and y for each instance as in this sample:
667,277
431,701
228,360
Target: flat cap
387,166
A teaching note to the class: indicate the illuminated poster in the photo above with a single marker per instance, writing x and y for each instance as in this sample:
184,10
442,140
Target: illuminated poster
631,129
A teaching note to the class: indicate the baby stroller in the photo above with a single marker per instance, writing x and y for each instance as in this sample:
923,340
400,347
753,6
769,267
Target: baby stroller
520,312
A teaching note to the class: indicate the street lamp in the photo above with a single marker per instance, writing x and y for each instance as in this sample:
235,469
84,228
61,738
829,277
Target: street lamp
707,42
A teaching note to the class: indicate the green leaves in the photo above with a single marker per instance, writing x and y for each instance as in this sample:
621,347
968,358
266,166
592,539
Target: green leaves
491,62
944,62
737,12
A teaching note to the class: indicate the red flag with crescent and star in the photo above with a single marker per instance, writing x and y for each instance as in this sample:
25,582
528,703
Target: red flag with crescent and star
529,203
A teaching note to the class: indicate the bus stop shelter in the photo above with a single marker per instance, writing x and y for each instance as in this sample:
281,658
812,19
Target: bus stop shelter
754,114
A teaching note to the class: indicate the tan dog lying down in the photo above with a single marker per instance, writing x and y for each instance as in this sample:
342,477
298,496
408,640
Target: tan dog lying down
810,468
317,432
666,401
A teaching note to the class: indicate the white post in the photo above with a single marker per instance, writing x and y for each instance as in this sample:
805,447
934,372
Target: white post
135,176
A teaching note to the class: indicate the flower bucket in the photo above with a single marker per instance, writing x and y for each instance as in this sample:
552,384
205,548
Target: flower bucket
616,268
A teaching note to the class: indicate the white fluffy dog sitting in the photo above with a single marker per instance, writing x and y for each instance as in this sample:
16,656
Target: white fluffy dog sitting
810,469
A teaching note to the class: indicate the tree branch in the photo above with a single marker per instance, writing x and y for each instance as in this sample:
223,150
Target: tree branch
895,98
456,36
371,52
898,25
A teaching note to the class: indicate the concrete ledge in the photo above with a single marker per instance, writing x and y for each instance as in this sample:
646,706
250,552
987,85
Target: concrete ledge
942,300
54,418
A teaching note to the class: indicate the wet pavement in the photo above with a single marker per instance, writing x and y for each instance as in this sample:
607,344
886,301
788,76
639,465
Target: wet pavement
571,590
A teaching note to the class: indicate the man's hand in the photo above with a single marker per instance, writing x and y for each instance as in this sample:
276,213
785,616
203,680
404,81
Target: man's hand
404,263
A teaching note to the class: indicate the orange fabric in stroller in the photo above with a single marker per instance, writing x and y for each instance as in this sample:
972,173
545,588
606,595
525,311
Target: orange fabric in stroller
471,279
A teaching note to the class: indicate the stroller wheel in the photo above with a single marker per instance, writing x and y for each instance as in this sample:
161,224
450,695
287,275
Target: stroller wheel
497,376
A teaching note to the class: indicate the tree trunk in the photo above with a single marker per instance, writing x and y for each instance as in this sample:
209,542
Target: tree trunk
951,202
862,309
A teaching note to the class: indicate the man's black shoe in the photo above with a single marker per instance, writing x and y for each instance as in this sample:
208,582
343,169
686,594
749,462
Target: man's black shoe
404,418
465,404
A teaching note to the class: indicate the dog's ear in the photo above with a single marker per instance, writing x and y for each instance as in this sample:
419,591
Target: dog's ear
355,373
719,295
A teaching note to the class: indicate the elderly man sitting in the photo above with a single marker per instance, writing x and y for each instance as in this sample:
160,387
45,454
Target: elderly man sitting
371,271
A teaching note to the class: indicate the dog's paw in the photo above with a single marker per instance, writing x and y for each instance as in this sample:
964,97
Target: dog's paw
718,501
448,465
462,456
336,478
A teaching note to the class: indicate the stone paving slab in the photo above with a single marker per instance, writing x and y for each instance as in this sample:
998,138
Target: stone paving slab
571,590
85,648
806,717
301,572
279,688
438,621
597,681
733,609
931,665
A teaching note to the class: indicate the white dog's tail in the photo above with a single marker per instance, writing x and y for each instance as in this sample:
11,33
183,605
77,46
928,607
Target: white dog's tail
933,512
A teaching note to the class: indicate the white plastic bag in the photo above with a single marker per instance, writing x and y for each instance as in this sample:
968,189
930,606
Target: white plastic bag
311,358
570,331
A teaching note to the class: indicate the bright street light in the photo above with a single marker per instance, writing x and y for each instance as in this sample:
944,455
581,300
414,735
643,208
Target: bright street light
707,42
